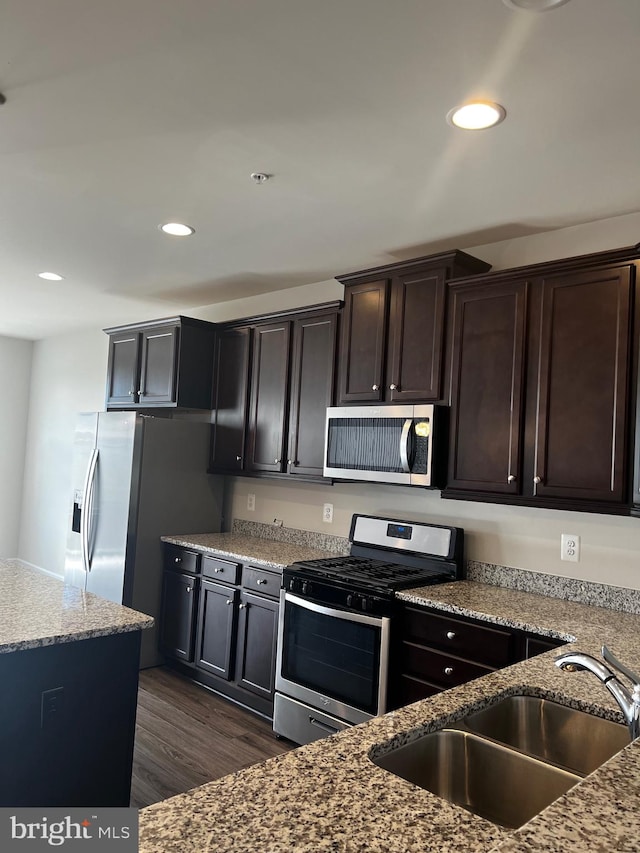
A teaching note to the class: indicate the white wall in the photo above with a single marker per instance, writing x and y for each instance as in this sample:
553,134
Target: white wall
69,374
15,375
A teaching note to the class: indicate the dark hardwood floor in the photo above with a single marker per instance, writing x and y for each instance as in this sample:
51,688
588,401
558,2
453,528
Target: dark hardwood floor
186,735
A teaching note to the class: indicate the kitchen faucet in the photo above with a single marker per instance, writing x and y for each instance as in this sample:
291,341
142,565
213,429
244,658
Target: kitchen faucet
629,701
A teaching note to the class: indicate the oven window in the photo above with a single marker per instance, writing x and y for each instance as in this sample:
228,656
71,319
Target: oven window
375,444
333,656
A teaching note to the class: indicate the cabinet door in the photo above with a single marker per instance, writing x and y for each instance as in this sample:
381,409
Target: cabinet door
269,377
230,397
363,342
124,362
580,440
216,628
158,365
313,362
415,337
487,387
257,628
179,597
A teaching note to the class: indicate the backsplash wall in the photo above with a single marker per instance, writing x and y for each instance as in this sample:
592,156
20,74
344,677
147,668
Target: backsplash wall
520,537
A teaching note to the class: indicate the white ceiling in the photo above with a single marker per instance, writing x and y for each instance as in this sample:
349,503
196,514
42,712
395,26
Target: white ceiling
124,114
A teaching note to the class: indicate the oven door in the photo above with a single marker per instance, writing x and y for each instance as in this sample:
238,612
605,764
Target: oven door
331,659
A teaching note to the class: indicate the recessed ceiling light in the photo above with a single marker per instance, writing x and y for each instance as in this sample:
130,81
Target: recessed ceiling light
534,5
51,276
477,115
177,229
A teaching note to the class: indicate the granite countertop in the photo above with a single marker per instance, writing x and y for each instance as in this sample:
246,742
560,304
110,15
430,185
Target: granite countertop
270,553
329,796
40,610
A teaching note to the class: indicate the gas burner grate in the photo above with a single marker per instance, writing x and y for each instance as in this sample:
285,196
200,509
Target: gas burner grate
367,572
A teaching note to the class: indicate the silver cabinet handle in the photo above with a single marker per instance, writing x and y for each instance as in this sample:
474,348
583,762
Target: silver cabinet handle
375,387
451,635
448,670
189,589
393,387
261,581
178,560
238,458
217,570
537,480
141,392
277,461
289,461
241,606
511,478
131,392
229,601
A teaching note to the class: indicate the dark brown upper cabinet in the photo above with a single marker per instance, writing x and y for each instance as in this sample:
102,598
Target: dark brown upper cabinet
165,363
487,386
230,399
541,364
273,383
392,333
269,386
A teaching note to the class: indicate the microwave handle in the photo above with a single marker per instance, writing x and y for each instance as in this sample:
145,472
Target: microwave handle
404,445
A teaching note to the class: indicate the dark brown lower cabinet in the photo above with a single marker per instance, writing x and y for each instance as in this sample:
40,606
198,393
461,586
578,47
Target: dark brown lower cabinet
257,630
179,612
220,629
217,620
433,651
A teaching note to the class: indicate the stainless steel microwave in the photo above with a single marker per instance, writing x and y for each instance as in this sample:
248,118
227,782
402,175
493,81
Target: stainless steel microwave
384,444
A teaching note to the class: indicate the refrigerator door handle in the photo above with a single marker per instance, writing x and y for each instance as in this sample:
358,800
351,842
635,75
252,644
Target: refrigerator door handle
85,527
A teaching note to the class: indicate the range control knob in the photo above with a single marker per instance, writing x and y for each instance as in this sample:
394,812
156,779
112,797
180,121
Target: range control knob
350,600
365,603
292,584
306,588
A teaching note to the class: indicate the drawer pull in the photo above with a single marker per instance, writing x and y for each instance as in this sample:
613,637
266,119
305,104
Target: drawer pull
241,606
451,635
189,588
178,560
448,670
260,581
217,570
229,601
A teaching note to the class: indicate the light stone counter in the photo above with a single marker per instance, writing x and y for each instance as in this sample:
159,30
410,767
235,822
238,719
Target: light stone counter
329,796
39,610
270,553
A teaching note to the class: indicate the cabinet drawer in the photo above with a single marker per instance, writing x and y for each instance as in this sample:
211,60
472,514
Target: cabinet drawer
439,668
221,570
179,559
490,646
262,581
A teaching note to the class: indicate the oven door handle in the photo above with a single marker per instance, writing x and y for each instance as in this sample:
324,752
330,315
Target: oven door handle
345,615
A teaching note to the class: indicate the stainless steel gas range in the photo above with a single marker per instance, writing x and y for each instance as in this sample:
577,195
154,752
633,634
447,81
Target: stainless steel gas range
335,622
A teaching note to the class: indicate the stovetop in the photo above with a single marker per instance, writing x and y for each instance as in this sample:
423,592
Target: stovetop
364,573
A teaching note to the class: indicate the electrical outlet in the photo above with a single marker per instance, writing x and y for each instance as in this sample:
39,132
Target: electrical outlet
251,502
570,547
327,513
51,705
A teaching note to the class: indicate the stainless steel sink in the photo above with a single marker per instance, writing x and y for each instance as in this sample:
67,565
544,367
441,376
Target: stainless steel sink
509,761
490,780
572,739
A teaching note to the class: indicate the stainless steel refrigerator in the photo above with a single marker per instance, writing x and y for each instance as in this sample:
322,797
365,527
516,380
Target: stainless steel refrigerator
136,478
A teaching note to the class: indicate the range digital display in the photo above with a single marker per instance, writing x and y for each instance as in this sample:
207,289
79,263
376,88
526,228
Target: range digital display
400,531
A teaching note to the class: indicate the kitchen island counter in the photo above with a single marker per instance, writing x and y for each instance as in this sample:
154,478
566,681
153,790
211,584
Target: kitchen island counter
69,669
329,796
39,610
